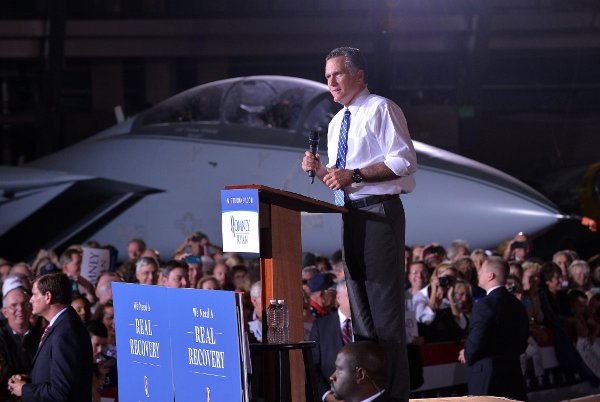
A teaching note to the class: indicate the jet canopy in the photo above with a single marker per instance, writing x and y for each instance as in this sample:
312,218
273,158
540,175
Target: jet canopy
265,102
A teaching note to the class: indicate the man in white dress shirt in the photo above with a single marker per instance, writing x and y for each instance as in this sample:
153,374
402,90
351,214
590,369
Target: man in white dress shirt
371,162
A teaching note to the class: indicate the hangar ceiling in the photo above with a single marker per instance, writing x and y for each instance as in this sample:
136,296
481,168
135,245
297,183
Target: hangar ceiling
511,83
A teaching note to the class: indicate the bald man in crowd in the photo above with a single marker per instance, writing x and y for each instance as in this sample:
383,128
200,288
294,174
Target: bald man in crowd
360,373
498,335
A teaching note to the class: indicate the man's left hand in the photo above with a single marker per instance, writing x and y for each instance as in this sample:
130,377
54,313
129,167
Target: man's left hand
461,356
337,179
15,384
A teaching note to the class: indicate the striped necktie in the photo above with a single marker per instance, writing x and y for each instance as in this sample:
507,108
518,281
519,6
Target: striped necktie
43,338
347,332
341,154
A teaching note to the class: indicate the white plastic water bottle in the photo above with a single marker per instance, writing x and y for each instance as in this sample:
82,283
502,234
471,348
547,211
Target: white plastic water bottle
271,322
285,322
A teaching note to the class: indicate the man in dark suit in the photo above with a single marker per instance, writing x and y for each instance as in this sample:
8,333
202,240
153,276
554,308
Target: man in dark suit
497,337
327,332
62,367
360,373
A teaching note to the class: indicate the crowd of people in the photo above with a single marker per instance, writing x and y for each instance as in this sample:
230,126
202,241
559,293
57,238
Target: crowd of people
442,286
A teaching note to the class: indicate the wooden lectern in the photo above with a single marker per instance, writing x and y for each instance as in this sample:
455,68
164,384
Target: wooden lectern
281,261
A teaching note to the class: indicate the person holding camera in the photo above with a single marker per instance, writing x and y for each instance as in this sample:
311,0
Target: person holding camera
536,334
438,316
196,243
519,248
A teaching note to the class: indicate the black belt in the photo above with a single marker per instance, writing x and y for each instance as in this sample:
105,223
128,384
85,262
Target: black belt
370,200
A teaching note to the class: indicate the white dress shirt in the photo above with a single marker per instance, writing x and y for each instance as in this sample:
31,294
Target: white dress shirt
369,399
492,289
53,320
377,133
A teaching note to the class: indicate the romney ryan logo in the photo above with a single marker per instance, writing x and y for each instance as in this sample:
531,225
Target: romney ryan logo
240,229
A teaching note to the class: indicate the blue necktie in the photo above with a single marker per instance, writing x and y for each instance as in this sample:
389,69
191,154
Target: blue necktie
341,154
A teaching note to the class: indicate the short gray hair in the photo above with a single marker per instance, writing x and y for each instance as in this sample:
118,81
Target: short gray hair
255,290
455,245
579,263
353,59
207,262
145,261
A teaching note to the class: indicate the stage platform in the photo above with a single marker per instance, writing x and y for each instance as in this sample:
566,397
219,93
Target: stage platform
463,399
589,398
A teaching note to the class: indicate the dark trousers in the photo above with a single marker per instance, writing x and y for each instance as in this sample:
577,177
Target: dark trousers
374,254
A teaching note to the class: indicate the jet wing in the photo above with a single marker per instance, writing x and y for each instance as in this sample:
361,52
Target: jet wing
49,209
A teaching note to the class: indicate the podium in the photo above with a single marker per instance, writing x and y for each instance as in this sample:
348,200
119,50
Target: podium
281,261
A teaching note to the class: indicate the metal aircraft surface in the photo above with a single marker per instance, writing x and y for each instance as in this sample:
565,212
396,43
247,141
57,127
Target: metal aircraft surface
158,176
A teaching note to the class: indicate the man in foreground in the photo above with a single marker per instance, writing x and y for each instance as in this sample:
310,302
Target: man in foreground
62,367
360,373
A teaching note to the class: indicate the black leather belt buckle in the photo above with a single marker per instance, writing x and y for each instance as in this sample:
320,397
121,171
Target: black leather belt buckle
370,200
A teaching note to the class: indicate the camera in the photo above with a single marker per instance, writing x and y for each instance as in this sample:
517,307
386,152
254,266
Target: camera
518,244
446,281
512,287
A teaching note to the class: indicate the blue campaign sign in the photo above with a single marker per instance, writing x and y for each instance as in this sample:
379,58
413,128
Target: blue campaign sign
240,227
143,342
205,348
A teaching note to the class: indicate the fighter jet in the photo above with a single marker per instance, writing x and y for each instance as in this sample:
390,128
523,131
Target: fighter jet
158,176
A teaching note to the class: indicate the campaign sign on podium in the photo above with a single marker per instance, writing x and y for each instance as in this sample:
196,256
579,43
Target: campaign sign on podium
143,342
205,347
239,214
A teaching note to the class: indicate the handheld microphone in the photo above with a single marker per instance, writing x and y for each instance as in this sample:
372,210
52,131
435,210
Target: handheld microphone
313,148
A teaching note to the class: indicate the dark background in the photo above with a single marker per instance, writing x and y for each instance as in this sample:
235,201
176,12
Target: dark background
511,83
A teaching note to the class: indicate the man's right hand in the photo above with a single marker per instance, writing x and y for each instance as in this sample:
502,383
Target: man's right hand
461,356
311,162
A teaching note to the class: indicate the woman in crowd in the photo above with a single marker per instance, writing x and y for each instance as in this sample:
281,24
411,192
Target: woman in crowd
105,313
221,274
463,297
555,304
478,256
556,308
82,307
515,268
208,283
466,267
531,275
438,317
530,301
579,275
